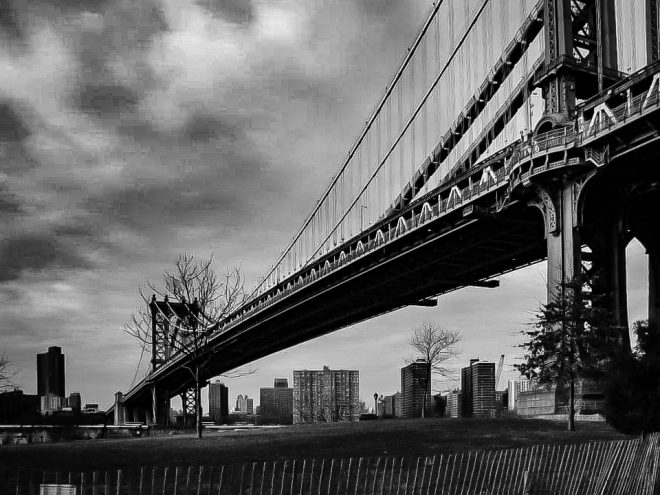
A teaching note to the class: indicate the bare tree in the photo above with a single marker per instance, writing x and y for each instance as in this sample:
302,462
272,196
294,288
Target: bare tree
434,345
203,301
6,373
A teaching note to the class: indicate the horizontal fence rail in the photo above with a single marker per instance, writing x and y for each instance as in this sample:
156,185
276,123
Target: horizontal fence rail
615,467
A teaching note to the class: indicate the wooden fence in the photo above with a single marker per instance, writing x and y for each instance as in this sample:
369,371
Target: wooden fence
615,467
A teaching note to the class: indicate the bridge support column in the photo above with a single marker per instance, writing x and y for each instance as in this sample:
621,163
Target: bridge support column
562,236
189,406
654,285
595,254
120,413
160,406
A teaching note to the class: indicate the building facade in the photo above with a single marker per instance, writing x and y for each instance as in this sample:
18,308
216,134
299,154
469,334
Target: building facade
414,385
50,372
392,405
218,402
326,395
478,389
74,401
276,403
454,404
515,387
244,404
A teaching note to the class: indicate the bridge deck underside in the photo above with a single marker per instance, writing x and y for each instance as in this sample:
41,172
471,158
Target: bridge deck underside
445,255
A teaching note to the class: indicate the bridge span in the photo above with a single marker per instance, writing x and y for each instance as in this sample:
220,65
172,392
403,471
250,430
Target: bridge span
575,189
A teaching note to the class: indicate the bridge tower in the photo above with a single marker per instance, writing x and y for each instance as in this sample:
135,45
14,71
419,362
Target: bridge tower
580,61
166,317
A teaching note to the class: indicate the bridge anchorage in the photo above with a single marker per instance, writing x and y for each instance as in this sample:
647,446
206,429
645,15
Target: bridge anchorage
458,177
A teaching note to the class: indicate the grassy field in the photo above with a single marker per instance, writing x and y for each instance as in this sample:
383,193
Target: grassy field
371,438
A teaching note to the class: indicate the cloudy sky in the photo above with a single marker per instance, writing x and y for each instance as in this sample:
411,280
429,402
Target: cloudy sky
131,132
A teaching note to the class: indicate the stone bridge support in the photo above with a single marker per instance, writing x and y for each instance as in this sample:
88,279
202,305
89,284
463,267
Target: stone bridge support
592,251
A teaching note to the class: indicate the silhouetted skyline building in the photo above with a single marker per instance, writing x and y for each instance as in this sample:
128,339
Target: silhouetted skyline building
276,403
74,402
414,385
244,404
392,405
326,395
218,402
50,372
17,407
478,389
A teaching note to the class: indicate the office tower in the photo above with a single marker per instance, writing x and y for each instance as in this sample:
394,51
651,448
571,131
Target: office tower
218,402
414,385
276,403
478,389
50,372
326,395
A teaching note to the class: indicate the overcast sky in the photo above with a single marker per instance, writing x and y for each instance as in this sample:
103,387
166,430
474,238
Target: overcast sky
131,132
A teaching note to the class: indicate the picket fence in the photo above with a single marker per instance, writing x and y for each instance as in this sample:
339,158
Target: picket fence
614,467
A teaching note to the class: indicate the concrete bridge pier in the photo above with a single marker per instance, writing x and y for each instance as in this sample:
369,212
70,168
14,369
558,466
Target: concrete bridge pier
120,413
159,413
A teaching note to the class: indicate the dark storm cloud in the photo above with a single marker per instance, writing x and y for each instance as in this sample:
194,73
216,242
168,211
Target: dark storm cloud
8,20
238,11
36,253
105,99
205,128
12,126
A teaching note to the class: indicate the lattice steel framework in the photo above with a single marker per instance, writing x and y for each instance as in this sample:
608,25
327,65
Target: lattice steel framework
168,319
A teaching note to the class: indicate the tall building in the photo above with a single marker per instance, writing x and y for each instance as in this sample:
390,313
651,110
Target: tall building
74,402
326,395
244,404
218,402
50,372
515,387
478,389
392,405
454,404
276,403
414,386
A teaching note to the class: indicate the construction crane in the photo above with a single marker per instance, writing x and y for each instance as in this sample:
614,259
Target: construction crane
498,372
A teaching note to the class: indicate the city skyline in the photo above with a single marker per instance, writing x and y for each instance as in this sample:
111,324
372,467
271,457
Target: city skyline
124,147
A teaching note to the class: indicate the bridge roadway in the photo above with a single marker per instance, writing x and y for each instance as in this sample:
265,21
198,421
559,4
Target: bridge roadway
472,227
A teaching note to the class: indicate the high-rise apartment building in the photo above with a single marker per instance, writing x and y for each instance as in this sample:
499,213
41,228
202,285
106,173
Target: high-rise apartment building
478,389
218,402
454,404
276,403
414,385
326,395
50,372
515,387
392,405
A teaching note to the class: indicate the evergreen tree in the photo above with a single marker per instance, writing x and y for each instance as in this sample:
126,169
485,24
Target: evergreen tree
570,339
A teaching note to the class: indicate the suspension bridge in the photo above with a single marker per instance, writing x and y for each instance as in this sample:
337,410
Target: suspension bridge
513,131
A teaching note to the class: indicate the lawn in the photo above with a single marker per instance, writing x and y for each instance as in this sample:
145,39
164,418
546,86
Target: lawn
363,439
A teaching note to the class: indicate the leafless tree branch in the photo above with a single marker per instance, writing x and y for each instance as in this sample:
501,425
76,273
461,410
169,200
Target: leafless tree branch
434,345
